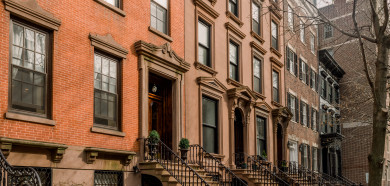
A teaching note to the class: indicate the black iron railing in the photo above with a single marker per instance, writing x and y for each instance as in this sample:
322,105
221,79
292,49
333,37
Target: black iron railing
171,162
260,170
17,176
213,166
346,181
304,176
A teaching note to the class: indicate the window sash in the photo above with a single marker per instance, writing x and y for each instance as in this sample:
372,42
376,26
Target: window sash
29,63
115,3
210,125
275,85
274,35
302,31
233,7
261,135
234,60
312,44
156,21
256,18
257,82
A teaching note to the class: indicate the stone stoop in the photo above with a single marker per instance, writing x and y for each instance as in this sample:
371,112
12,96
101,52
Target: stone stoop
252,180
155,169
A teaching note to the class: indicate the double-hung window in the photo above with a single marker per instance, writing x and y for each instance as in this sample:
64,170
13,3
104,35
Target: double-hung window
106,91
274,35
257,82
304,114
256,18
323,87
292,104
204,43
315,159
234,62
314,119
159,15
291,60
305,156
210,126
328,31
303,71
261,135
302,31
290,17
312,43
105,178
330,92
233,7
115,3
313,79
275,86
29,69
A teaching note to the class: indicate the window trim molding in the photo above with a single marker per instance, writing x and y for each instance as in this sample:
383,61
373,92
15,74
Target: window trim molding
209,10
216,93
276,69
235,30
254,34
266,118
210,69
230,15
168,23
118,10
31,11
261,59
161,34
239,71
28,118
108,44
276,51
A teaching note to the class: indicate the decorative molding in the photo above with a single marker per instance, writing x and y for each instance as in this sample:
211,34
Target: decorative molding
276,62
33,119
258,47
263,106
93,152
213,2
258,37
235,30
111,7
234,18
31,11
108,44
276,52
259,95
58,150
276,104
212,82
233,82
163,53
205,68
275,10
207,8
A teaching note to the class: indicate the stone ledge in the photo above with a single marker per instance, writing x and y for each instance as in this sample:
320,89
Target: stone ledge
34,119
93,152
164,36
107,131
58,149
111,7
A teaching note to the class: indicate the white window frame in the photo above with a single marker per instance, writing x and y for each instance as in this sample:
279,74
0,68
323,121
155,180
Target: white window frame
304,114
303,66
302,31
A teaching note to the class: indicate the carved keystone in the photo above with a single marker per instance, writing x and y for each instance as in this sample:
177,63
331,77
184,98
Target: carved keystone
58,154
6,148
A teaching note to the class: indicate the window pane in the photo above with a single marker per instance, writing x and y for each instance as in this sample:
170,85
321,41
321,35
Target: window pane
204,34
38,96
17,35
255,12
256,27
17,55
256,67
39,80
209,139
105,66
98,64
274,29
163,3
233,53
113,2
27,95
233,72
256,84
275,79
16,92
113,69
40,43
40,62
28,59
203,56
29,39
209,112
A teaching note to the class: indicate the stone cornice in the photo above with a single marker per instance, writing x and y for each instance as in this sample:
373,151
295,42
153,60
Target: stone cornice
213,13
235,30
163,53
211,82
93,152
258,47
276,62
31,11
108,44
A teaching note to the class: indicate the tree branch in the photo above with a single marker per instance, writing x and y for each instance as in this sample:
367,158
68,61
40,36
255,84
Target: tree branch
386,12
362,49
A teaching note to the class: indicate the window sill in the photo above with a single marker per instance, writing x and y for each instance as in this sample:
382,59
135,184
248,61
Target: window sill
107,131
33,119
234,82
259,95
205,68
111,7
276,104
258,37
155,31
234,18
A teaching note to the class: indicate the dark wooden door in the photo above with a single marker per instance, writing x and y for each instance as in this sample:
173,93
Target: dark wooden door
160,107
238,138
279,143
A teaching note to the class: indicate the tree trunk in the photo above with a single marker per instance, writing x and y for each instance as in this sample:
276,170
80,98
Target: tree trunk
380,115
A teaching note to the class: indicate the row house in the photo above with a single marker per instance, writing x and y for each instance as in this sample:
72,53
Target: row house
72,75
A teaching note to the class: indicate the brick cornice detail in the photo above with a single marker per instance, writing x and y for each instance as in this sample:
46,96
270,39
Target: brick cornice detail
207,8
258,47
108,44
235,30
31,11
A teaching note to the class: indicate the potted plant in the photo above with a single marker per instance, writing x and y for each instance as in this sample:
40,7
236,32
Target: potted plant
154,138
264,155
283,166
184,144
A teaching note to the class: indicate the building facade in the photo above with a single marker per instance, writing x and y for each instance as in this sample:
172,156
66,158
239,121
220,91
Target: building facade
69,84
302,72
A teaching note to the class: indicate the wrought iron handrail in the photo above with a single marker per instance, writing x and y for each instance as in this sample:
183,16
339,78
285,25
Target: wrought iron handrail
172,163
16,176
282,173
305,176
259,171
346,181
213,166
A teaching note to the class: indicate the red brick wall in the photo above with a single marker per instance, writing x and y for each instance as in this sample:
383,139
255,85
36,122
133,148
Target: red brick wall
73,70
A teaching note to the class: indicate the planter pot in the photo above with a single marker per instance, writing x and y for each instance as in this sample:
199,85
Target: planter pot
152,149
183,154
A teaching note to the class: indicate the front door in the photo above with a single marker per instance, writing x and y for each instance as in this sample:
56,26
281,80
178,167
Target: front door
238,138
279,144
160,107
